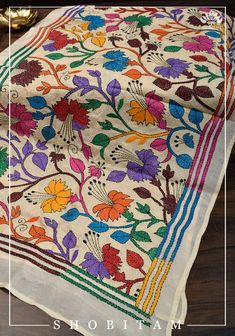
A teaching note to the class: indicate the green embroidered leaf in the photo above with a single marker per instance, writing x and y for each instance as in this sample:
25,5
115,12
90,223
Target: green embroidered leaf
76,64
201,68
92,104
106,125
72,49
145,209
55,56
128,215
3,160
101,140
172,48
112,115
120,104
152,253
161,231
142,236
154,220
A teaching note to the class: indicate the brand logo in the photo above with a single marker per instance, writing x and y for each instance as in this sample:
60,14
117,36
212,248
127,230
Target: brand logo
212,18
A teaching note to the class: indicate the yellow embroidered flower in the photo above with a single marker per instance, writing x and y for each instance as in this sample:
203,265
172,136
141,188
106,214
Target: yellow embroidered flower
58,196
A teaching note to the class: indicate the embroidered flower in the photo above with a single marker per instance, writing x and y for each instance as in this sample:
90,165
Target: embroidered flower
145,109
21,120
113,205
57,40
118,61
27,71
95,21
141,165
136,21
56,197
94,266
100,262
74,117
198,43
97,169
172,67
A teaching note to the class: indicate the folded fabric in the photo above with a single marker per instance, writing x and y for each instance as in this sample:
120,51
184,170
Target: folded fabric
116,127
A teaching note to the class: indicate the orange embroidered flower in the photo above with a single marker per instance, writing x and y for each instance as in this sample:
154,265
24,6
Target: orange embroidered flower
57,195
116,203
145,109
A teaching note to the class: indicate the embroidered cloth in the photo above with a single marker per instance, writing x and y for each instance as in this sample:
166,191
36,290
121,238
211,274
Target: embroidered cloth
116,125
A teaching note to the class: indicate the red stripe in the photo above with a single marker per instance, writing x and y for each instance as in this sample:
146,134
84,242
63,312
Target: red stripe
198,150
210,155
202,157
47,269
22,242
34,254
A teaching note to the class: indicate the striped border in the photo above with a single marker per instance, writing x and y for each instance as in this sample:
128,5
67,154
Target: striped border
74,275
153,283
38,39
230,85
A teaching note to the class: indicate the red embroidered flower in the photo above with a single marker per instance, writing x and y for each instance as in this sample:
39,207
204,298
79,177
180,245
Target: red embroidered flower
74,117
21,120
57,40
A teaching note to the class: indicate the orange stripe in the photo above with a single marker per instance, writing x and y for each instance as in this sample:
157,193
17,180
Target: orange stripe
151,269
63,18
151,291
153,306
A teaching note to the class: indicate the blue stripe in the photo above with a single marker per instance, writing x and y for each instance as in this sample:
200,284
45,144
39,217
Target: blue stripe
171,222
179,223
185,226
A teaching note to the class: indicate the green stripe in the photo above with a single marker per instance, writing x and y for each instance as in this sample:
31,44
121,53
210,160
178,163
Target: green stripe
15,53
108,294
103,283
5,65
103,299
7,69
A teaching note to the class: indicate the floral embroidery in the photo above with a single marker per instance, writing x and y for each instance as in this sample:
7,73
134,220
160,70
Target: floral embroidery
198,43
73,116
104,140
114,204
21,119
148,109
56,197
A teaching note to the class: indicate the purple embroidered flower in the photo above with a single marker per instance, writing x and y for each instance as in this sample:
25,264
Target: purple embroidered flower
173,68
142,165
94,266
145,168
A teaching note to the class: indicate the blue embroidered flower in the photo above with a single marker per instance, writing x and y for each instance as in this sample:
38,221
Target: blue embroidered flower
95,22
118,60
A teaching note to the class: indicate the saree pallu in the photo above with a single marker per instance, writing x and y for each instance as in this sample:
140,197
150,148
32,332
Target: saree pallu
116,127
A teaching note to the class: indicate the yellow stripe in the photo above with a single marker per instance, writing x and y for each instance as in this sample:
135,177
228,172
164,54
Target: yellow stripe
154,262
150,293
153,306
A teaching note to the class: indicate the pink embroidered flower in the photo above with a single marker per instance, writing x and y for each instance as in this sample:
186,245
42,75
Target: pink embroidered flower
95,171
199,43
21,120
